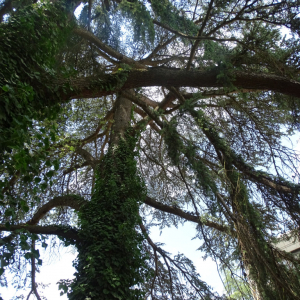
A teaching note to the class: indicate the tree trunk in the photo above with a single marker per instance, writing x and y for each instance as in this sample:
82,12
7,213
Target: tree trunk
110,264
121,120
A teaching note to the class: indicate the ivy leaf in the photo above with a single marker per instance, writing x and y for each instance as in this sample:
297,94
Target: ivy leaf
27,255
37,179
5,88
50,173
56,164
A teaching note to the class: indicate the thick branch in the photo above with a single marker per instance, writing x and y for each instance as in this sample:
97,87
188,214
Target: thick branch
152,114
72,201
89,88
68,200
55,230
76,203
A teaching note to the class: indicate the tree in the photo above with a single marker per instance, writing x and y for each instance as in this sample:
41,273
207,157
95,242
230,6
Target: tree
177,109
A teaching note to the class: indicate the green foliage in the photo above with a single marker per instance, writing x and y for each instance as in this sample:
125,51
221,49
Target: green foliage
116,80
173,17
140,17
29,42
236,287
24,245
176,148
110,264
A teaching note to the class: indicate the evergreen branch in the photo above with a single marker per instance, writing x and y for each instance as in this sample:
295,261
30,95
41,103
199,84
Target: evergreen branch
159,47
195,46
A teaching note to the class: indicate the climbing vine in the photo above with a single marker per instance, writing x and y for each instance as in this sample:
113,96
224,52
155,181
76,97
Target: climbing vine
111,263
29,41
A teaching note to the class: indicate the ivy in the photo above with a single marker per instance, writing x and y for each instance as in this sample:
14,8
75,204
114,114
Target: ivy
111,264
29,42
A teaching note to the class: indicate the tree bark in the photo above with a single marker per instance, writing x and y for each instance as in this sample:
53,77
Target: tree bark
91,87
121,119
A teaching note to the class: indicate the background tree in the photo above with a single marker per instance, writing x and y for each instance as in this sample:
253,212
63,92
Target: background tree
140,111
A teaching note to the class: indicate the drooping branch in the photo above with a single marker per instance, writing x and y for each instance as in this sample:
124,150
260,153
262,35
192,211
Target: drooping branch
248,171
181,268
186,215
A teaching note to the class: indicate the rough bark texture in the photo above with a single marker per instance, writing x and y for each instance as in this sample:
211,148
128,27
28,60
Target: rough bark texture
121,119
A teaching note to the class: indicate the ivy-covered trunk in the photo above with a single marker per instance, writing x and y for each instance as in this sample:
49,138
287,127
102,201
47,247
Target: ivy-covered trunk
110,263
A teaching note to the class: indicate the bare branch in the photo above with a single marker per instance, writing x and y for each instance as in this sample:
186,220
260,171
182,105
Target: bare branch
107,49
186,215
33,269
195,46
191,37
